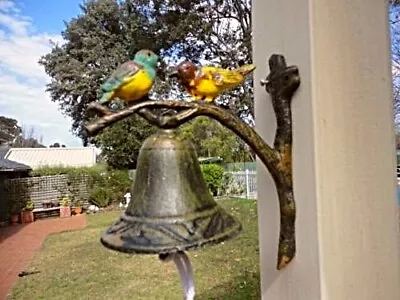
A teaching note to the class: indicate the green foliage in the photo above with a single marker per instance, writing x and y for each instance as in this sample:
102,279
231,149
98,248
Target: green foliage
121,142
29,205
213,175
70,171
104,35
65,201
101,196
18,195
9,129
211,139
226,183
16,136
108,32
106,185
77,203
116,183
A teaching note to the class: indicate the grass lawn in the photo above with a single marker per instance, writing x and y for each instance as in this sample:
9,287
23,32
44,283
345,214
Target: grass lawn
74,265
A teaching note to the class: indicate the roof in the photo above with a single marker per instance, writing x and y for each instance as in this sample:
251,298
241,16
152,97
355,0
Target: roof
66,157
9,165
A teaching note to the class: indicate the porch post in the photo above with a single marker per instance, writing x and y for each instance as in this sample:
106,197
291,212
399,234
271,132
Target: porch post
343,150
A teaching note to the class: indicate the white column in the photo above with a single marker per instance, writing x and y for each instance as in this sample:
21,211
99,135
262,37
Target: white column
344,150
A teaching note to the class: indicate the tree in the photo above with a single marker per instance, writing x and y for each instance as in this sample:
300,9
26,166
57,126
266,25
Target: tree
224,38
9,130
122,149
57,145
211,139
108,32
16,136
28,139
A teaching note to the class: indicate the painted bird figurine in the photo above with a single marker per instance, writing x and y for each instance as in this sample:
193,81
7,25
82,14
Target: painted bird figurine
133,79
207,82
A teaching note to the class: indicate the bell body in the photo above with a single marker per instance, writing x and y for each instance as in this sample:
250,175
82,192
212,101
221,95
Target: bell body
171,208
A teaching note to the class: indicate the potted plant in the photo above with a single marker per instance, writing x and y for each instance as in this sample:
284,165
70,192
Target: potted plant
65,209
27,212
77,207
15,210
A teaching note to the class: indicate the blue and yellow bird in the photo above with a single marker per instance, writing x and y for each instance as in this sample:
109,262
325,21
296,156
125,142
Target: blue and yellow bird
132,80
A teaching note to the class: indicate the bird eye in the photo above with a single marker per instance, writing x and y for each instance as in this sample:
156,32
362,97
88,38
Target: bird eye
148,54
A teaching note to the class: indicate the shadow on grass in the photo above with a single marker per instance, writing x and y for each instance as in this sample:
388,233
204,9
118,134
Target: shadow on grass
245,287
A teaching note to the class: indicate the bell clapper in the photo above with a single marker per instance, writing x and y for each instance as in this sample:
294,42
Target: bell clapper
184,267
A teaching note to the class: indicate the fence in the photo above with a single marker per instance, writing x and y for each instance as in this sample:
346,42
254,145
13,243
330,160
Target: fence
240,166
243,185
43,189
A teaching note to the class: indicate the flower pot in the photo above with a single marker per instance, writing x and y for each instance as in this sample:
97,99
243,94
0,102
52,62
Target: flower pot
27,216
65,211
77,210
14,219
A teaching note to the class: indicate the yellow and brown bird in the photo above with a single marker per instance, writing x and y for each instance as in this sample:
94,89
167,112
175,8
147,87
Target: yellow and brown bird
207,82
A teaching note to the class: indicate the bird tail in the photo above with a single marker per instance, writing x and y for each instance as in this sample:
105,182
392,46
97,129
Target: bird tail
245,69
107,96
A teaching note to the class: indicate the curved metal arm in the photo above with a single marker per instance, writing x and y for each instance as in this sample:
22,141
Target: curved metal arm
191,110
281,83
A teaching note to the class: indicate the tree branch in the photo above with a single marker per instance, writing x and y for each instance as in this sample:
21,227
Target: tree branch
281,83
190,111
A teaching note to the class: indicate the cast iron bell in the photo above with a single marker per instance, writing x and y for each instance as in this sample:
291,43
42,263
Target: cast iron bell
171,208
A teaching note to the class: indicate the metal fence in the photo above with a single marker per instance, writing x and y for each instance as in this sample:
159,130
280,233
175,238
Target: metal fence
243,184
240,166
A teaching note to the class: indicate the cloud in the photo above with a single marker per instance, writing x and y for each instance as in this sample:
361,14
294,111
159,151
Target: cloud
23,80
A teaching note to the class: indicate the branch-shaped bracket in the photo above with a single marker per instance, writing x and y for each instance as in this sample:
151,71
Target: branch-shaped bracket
281,84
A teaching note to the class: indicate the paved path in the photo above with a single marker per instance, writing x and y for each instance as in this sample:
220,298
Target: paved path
18,245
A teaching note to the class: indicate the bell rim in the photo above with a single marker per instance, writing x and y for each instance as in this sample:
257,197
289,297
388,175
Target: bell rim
166,220
228,233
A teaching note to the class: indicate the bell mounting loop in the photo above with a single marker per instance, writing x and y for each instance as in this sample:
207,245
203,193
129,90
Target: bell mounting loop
166,215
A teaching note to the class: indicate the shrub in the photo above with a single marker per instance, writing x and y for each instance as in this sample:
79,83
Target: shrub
213,174
100,196
105,185
226,183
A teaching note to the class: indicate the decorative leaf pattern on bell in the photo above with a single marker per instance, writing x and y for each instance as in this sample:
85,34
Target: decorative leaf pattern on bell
151,236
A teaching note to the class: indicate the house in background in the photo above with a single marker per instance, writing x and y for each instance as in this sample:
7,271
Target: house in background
11,169
53,157
8,170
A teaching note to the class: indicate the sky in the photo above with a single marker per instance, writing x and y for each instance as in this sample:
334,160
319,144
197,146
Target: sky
26,28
